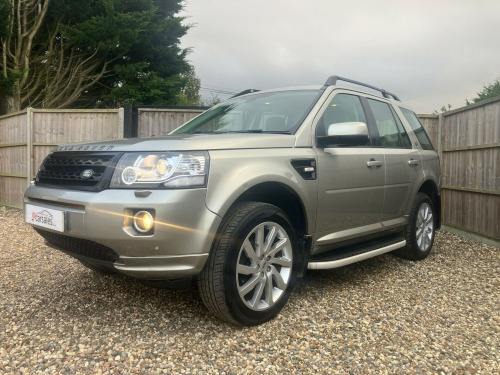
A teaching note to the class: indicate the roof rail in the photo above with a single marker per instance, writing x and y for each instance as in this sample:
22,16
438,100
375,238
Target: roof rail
332,81
244,92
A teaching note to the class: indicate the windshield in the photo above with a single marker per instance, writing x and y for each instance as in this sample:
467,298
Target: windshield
272,112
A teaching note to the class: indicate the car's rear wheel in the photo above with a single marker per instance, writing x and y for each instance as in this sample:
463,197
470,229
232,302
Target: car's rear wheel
420,230
252,266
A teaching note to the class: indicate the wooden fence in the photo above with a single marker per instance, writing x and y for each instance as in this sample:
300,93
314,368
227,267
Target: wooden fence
467,139
468,142
27,137
156,122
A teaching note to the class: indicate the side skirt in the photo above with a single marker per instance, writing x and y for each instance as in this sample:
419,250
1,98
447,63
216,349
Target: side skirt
326,263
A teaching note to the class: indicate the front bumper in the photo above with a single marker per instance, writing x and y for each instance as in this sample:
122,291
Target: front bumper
183,232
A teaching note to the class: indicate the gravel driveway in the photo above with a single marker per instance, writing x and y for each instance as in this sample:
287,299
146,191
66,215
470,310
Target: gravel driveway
384,315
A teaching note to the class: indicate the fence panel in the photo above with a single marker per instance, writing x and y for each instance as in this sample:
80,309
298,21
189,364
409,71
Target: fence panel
472,212
470,164
157,122
431,125
13,151
55,127
477,126
470,149
27,137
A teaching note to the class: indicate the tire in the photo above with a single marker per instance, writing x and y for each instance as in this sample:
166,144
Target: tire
98,269
246,281
420,230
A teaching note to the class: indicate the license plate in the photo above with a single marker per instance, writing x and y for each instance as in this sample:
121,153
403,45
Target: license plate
44,217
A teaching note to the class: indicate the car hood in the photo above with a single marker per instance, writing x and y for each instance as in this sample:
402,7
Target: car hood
187,142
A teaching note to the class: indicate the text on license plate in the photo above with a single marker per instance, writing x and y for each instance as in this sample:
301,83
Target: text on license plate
44,217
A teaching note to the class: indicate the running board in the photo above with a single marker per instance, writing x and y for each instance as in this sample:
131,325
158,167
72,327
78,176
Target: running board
355,258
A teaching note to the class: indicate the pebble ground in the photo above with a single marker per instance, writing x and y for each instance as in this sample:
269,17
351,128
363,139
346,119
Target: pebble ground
382,316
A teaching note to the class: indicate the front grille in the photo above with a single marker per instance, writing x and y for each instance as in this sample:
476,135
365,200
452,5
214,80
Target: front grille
78,246
86,171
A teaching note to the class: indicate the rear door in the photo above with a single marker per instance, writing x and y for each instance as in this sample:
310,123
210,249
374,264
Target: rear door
403,163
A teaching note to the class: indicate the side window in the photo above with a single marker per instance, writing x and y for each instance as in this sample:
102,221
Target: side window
343,108
405,140
418,129
386,123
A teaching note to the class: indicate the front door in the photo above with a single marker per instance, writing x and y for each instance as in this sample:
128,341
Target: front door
351,179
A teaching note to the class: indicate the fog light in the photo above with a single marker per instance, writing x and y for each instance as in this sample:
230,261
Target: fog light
143,221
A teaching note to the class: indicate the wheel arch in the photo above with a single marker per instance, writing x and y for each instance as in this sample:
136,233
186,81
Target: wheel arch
430,188
281,196
286,199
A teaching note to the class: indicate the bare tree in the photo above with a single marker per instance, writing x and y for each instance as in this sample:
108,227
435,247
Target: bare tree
61,75
24,22
58,53
49,73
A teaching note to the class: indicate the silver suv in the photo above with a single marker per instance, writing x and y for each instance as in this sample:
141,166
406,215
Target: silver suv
248,196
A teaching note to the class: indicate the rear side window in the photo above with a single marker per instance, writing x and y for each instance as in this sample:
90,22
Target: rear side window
390,130
418,129
405,140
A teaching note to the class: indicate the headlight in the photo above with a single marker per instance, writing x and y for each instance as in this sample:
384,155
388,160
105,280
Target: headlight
161,170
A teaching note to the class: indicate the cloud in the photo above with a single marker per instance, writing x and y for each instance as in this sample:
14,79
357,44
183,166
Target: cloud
430,53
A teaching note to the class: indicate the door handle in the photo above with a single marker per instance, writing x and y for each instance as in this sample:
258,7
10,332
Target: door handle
413,162
374,163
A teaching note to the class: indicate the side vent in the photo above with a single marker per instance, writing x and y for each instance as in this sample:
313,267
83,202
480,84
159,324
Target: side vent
305,167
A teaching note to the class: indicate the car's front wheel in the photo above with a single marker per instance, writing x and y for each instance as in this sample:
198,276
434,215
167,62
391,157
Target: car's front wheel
251,269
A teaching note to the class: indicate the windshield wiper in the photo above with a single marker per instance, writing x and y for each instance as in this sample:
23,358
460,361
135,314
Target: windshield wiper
255,131
240,131
278,132
252,131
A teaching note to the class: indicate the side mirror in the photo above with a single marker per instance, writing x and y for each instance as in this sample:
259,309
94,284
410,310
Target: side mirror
345,134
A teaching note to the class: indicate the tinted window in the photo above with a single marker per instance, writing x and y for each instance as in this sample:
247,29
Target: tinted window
386,124
418,129
405,140
343,108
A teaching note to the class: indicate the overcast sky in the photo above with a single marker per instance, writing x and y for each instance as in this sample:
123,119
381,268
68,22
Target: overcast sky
429,53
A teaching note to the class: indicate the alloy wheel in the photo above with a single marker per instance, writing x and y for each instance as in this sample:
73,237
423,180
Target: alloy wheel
264,266
424,226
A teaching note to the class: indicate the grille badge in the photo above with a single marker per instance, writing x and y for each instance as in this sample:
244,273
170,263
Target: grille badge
86,174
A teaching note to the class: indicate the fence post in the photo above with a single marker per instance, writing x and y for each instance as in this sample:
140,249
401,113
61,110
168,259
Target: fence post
127,120
121,123
440,139
135,122
29,144
130,123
